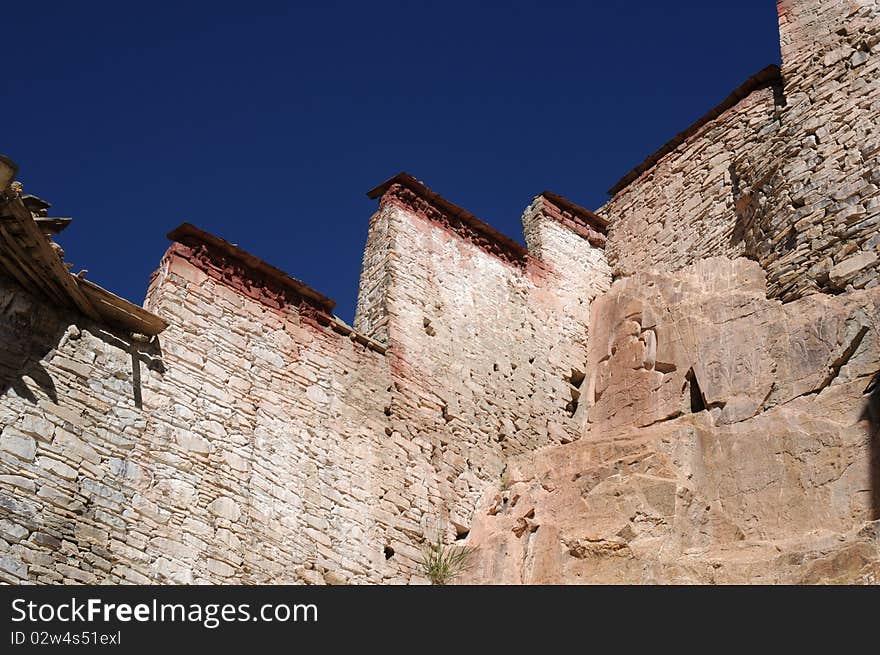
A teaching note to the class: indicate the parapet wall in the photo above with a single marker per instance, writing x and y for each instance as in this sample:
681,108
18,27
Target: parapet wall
205,461
808,201
270,394
486,339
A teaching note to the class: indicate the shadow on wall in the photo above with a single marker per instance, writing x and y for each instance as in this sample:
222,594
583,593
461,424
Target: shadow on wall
30,333
871,415
148,353
751,194
25,345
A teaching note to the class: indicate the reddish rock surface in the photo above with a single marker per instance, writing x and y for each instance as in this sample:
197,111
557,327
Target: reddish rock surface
729,439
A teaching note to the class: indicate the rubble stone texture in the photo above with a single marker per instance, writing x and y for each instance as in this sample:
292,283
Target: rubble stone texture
787,176
692,397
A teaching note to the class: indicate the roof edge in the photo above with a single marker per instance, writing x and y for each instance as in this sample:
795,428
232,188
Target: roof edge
28,256
588,217
765,77
504,246
188,235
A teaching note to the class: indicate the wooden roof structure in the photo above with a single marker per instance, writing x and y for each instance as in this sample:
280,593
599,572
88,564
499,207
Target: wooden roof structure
28,256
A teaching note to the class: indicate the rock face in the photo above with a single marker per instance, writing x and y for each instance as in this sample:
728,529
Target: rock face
706,337
730,439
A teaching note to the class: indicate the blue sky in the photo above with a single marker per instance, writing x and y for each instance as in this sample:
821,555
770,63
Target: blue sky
265,123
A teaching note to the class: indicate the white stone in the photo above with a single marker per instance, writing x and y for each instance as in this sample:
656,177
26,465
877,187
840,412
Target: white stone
193,442
18,444
225,507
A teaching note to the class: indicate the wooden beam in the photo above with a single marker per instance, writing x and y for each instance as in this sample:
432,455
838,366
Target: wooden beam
121,311
27,255
41,251
14,270
52,225
28,275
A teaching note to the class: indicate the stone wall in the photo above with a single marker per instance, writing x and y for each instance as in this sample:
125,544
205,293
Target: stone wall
682,208
71,448
286,413
260,439
243,450
786,175
808,201
486,341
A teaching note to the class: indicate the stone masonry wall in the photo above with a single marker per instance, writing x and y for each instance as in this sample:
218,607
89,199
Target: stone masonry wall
787,176
482,348
808,201
682,209
289,413
259,439
71,448
242,450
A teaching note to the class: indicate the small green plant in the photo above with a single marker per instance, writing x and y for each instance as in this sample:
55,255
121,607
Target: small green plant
505,480
441,563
